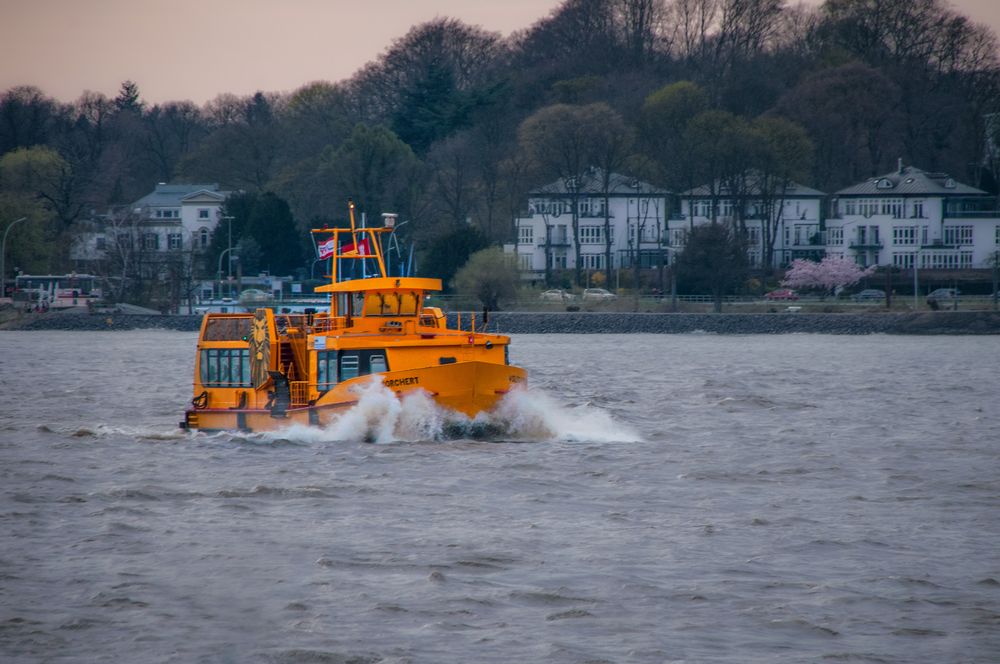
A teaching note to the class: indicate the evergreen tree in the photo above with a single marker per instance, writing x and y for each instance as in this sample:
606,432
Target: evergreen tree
128,98
714,260
271,225
451,252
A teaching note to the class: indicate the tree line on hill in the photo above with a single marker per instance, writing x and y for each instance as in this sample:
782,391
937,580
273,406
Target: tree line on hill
453,124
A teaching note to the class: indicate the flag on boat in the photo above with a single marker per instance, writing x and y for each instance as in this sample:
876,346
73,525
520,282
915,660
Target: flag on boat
326,248
361,249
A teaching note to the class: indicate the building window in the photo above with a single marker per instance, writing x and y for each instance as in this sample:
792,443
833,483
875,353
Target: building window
701,208
893,207
952,260
174,241
168,214
202,213
592,261
559,235
101,244
525,234
996,235
727,209
868,207
835,236
753,236
918,209
903,260
677,237
203,237
524,261
151,241
557,260
591,234
905,234
958,235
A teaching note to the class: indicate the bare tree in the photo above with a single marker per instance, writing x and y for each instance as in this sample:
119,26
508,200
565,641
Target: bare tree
786,156
611,145
561,140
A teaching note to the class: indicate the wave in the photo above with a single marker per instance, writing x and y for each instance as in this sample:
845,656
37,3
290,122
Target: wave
109,431
530,415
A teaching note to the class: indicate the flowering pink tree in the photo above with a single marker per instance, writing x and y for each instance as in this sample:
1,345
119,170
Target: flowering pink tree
827,275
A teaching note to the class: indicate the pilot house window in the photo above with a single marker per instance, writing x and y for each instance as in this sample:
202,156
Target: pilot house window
391,304
225,367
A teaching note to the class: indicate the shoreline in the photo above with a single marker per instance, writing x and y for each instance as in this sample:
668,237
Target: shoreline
923,323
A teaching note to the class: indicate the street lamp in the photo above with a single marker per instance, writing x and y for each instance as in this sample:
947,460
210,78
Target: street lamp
3,255
219,271
312,270
229,245
996,277
673,277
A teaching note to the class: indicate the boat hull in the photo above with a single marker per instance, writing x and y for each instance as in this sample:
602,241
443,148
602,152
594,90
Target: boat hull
469,388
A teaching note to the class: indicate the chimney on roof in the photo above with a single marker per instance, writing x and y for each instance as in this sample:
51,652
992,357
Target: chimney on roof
899,165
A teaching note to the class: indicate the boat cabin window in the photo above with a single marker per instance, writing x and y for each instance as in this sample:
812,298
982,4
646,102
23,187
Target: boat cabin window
391,304
326,371
225,367
351,364
348,367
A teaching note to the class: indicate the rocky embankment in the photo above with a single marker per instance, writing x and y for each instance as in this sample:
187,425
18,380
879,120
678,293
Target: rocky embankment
939,322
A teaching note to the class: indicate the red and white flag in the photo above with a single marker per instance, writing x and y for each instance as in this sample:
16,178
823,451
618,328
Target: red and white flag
326,248
361,249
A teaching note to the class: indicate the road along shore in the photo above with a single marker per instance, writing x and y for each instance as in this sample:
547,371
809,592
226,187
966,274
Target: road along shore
938,322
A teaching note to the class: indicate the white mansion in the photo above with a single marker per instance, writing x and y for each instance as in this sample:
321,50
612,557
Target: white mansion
172,218
910,214
787,217
893,219
636,217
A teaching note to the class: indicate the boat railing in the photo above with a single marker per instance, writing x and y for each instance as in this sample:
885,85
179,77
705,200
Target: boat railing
329,324
299,392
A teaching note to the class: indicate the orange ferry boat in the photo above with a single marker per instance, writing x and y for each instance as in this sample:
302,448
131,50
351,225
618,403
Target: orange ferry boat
264,370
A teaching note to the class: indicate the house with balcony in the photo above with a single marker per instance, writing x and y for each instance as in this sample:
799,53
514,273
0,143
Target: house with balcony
636,214
155,240
179,216
913,217
780,222
172,218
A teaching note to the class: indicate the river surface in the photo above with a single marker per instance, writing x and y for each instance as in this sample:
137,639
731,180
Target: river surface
677,498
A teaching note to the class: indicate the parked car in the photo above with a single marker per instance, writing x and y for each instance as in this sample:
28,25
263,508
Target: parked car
556,295
598,294
782,294
944,295
868,295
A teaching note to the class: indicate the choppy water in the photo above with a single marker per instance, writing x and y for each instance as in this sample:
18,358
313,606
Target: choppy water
652,499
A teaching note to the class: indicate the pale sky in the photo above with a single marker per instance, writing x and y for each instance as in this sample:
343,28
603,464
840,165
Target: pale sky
197,49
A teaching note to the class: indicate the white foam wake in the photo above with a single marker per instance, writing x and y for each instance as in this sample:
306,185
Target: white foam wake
523,415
